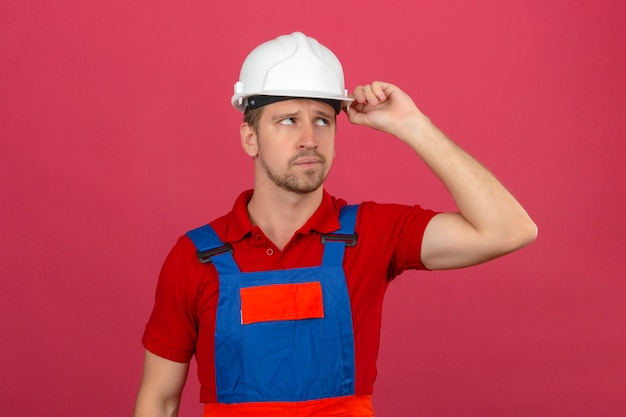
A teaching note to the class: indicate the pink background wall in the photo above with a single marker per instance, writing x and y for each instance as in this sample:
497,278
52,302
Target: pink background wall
116,136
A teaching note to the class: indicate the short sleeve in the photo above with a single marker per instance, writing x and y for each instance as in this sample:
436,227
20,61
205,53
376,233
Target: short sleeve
172,329
399,230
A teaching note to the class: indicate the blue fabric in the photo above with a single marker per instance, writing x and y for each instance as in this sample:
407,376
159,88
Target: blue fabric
204,238
286,360
347,222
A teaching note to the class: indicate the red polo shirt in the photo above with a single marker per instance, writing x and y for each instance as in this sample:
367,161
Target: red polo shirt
183,319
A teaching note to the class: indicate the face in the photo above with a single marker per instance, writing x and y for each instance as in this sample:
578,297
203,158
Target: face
293,144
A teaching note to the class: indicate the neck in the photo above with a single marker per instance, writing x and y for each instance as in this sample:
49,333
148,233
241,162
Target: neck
281,213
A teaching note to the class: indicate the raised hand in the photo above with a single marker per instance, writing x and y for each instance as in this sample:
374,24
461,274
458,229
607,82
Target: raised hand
385,107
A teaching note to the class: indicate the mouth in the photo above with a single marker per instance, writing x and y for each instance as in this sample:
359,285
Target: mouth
307,162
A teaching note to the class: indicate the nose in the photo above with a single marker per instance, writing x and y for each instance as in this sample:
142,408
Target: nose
308,138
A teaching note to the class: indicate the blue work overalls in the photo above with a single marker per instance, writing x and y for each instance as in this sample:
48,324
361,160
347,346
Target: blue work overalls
272,342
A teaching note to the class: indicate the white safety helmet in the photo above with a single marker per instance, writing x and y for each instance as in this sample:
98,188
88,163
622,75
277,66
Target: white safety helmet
292,65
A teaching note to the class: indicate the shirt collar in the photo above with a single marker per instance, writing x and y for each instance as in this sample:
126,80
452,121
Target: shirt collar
324,220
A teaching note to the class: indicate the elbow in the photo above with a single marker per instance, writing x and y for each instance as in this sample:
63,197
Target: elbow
524,233
507,240
150,410
533,233
529,232
151,404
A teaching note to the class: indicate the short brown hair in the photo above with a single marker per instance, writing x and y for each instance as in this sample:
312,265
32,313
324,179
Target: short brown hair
252,117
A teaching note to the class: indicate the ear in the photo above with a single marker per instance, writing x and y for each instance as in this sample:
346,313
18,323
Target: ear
249,140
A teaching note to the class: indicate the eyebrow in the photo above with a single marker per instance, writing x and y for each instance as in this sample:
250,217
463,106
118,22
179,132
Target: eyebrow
281,116
324,114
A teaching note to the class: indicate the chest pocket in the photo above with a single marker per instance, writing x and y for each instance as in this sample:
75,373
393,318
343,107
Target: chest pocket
266,303
283,335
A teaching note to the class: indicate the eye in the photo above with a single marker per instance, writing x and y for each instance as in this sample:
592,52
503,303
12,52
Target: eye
322,122
288,121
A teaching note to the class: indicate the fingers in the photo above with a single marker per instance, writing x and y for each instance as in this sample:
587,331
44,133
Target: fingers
382,106
374,93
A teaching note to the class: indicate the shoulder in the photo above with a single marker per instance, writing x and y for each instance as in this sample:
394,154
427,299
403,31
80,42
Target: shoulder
393,233
387,217
233,225
375,215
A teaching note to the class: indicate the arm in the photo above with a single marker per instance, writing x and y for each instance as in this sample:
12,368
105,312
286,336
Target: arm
491,222
161,387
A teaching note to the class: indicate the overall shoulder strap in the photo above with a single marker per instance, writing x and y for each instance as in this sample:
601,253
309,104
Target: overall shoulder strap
336,242
209,246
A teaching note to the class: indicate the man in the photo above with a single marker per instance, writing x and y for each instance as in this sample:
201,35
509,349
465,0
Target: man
280,300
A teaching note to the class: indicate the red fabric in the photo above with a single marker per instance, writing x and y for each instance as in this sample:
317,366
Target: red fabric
356,406
183,319
281,302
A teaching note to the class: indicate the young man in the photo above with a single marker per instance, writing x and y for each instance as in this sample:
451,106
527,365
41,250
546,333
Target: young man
280,300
